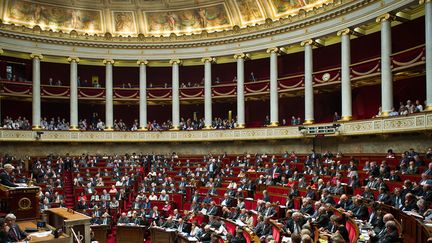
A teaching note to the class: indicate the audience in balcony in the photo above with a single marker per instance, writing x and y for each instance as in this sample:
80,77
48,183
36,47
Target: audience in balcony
18,124
403,110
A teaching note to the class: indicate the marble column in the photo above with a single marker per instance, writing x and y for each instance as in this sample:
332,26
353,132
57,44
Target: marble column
274,97
207,91
240,89
73,92
36,96
428,30
109,107
346,77
175,94
309,96
386,72
142,94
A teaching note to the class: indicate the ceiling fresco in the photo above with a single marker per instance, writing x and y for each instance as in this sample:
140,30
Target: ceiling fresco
150,17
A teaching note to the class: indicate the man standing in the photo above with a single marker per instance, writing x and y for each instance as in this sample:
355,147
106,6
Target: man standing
5,178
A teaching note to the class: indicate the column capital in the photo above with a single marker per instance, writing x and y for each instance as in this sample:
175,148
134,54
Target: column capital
421,2
307,42
1,51
242,56
143,61
175,61
273,50
75,59
208,59
346,31
34,56
384,17
108,61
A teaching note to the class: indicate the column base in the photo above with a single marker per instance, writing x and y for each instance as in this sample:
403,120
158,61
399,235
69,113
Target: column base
108,129
36,128
428,108
240,125
142,129
273,124
73,128
308,122
175,128
207,127
385,114
345,118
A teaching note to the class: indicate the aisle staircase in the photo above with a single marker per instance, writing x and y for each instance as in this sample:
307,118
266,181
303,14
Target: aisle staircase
68,187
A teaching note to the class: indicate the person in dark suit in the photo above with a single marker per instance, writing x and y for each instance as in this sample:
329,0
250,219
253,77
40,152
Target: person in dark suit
15,234
264,229
359,210
344,202
206,236
397,200
307,207
322,220
269,210
410,203
390,236
4,231
383,196
296,224
5,178
213,210
239,237
182,226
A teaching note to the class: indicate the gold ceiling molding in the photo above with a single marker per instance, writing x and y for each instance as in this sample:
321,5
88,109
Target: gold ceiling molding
258,30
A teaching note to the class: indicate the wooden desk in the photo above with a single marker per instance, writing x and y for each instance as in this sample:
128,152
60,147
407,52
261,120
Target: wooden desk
21,201
160,235
61,218
100,232
183,239
63,238
130,234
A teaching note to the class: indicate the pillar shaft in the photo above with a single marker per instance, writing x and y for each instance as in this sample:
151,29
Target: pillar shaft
36,97
73,93
240,91
175,94
274,98
207,93
386,72
142,94
346,78
109,94
309,99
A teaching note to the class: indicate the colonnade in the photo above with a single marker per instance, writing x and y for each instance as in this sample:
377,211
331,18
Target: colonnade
386,81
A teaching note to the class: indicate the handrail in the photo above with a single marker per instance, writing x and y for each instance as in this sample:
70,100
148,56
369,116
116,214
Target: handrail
74,235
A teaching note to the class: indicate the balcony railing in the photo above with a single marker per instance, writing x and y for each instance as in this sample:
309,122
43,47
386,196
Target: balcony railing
419,122
362,70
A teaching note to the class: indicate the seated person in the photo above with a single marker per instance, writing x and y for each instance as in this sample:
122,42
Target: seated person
15,233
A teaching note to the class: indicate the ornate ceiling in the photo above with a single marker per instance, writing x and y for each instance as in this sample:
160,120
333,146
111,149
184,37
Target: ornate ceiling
154,17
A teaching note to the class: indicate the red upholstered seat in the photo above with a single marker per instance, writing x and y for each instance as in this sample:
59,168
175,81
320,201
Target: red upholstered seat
351,231
230,227
247,237
276,234
297,203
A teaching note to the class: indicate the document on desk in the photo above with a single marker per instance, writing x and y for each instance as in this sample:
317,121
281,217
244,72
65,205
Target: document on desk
240,223
41,234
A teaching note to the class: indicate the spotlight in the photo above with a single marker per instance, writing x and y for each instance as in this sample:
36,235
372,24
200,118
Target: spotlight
38,135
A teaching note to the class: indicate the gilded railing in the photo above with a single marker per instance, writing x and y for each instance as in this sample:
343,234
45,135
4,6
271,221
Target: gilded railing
419,122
